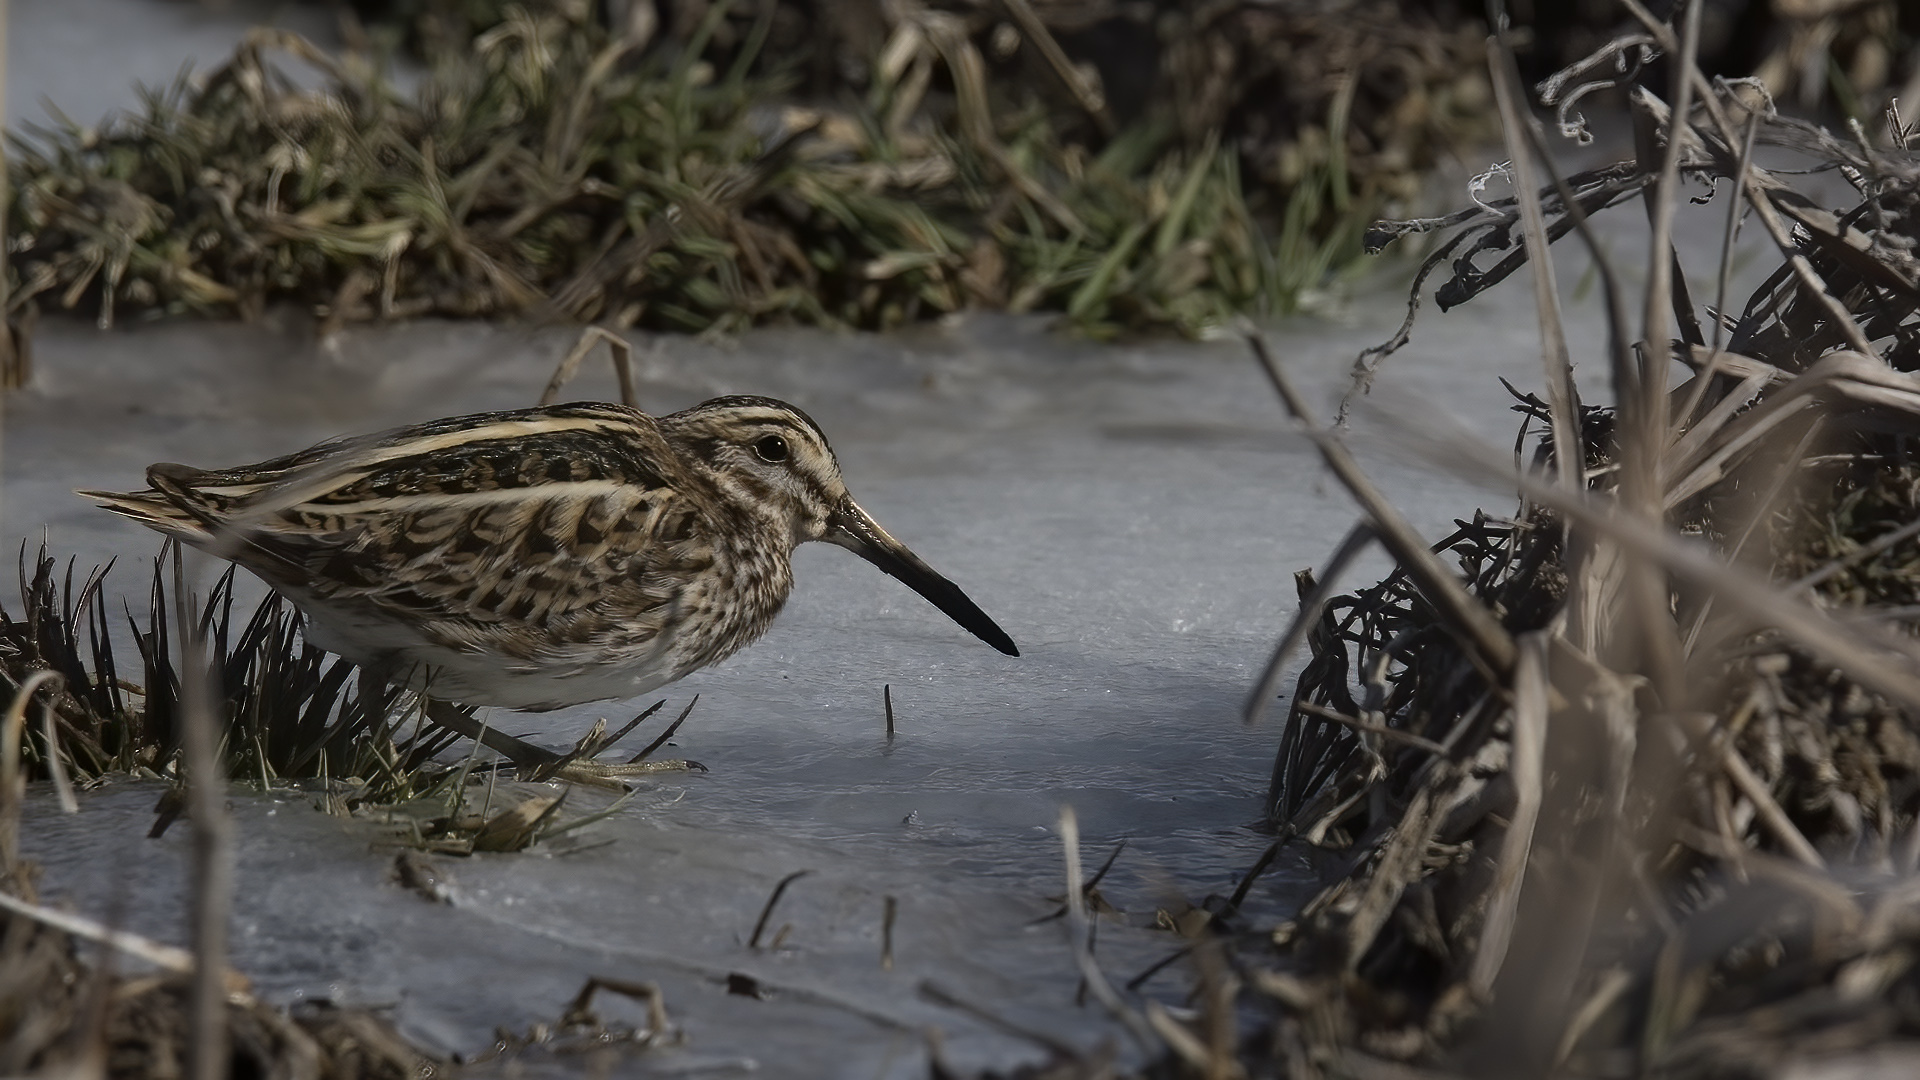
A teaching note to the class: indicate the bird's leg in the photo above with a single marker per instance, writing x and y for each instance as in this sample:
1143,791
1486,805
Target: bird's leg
373,692
524,754
374,682
534,762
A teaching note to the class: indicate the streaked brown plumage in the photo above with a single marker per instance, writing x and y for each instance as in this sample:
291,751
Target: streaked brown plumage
542,557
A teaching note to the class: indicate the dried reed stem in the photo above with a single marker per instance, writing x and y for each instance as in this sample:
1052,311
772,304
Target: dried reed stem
13,785
1563,397
212,861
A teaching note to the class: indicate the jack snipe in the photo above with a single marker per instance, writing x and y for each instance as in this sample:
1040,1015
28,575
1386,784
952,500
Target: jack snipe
542,557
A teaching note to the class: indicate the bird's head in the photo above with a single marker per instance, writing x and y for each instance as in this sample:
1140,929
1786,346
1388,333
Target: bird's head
771,463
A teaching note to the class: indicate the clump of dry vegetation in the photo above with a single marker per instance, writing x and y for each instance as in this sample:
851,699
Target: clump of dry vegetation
61,1011
80,998
696,166
1628,783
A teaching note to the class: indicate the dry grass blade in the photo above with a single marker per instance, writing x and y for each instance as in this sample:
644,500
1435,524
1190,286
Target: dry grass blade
1563,400
1528,772
618,350
1079,930
56,762
773,900
1082,89
13,786
1660,297
519,826
1393,734
212,862
1438,794
166,957
1839,384
665,736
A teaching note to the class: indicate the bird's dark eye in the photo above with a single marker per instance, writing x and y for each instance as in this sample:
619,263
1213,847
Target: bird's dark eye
771,448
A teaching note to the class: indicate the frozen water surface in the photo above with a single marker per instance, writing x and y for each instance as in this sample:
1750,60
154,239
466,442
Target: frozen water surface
1131,514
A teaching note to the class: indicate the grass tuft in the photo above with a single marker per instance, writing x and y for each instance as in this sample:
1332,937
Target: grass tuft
286,713
698,180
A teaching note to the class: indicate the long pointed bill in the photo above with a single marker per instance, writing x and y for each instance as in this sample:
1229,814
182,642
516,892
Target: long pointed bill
851,528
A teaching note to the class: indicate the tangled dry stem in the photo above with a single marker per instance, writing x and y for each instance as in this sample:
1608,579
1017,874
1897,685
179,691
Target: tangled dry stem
1647,833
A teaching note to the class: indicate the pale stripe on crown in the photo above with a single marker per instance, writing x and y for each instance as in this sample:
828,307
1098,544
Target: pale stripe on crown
763,415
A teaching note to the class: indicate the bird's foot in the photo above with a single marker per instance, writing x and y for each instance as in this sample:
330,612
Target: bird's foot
580,765
605,774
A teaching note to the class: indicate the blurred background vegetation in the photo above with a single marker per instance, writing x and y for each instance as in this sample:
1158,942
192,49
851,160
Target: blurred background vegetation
706,165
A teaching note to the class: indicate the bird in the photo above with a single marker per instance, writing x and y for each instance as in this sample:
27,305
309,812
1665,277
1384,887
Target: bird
539,558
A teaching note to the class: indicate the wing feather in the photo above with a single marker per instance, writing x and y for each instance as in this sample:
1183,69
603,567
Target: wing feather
535,533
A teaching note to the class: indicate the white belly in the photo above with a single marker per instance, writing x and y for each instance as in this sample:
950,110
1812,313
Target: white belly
476,677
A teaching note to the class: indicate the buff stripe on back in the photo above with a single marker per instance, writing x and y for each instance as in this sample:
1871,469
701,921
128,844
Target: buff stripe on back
322,477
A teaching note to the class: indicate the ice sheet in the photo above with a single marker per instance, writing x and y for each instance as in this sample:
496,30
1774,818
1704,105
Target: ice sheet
1131,514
